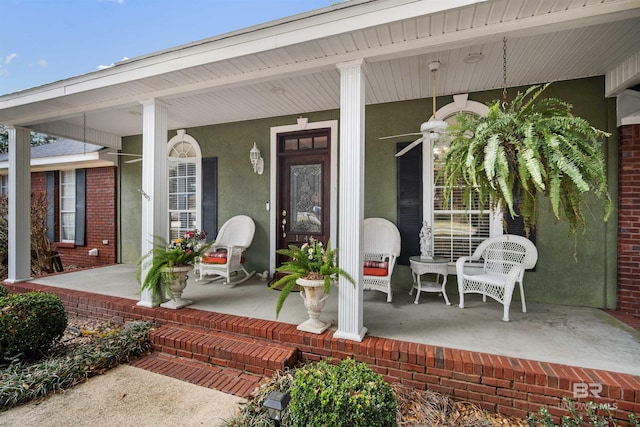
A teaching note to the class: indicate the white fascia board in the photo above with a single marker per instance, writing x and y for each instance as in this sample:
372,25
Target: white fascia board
250,41
74,161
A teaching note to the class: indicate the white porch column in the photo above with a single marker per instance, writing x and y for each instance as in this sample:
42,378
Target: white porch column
351,203
19,244
155,182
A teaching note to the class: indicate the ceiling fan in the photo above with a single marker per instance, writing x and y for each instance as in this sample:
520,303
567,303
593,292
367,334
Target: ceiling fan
137,159
432,128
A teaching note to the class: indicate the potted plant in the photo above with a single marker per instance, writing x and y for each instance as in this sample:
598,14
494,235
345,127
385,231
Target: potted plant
530,147
169,264
311,266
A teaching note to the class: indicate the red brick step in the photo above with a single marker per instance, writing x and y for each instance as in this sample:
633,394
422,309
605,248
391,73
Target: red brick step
224,349
228,380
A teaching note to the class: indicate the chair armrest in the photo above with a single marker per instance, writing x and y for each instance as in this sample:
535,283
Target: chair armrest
460,262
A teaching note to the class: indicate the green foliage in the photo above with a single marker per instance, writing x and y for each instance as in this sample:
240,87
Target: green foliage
253,413
22,383
533,146
30,324
165,255
311,261
348,394
36,139
3,291
575,418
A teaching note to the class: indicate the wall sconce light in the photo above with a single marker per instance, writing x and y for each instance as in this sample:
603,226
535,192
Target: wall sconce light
256,160
276,403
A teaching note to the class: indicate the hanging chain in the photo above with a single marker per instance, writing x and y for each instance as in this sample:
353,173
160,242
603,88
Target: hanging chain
504,73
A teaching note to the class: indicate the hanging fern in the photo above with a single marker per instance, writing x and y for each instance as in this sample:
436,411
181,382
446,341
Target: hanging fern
533,146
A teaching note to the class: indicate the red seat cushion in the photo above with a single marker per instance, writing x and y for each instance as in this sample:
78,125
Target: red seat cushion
218,257
376,268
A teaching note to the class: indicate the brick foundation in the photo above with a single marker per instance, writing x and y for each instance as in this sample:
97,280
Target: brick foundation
629,221
508,385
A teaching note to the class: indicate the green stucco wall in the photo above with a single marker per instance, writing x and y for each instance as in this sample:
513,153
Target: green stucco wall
589,279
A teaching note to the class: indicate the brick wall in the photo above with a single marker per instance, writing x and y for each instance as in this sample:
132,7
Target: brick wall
509,385
100,220
629,221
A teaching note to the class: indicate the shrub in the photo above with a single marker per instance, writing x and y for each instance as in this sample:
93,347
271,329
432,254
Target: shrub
347,394
3,291
22,383
598,415
30,324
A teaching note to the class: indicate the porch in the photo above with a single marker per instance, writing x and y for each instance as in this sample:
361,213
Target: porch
537,359
576,336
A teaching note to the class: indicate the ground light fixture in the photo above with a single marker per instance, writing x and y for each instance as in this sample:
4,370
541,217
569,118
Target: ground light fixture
276,403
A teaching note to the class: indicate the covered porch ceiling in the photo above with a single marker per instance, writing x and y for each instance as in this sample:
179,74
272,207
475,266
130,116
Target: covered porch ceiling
288,67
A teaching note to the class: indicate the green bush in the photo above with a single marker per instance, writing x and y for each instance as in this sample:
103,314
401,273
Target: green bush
348,394
3,291
598,415
22,382
30,324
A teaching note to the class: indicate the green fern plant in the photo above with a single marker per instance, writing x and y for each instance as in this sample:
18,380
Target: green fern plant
533,146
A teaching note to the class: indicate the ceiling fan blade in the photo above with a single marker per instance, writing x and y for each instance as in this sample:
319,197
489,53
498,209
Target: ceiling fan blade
410,147
401,135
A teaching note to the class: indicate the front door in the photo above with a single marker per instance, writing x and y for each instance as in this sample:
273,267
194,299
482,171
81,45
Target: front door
303,188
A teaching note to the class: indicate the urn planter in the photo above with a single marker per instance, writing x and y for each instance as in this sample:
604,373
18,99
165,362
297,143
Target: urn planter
177,281
313,295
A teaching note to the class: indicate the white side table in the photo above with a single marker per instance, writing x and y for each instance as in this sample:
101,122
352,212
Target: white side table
437,266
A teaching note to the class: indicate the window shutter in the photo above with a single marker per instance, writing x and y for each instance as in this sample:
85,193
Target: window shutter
50,186
81,206
515,225
409,201
210,196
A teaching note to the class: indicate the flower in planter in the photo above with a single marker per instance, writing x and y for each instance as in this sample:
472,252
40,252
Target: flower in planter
166,255
312,261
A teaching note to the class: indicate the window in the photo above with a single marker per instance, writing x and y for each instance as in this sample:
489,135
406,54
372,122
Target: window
4,185
67,205
184,185
456,231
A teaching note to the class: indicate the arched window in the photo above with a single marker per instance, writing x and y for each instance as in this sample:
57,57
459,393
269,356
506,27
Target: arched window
185,192
456,230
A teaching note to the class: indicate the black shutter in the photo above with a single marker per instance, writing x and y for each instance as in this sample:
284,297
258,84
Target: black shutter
515,225
210,196
50,185
81,206
409,202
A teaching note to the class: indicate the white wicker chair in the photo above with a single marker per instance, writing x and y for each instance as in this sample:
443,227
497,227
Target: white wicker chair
381,249
224,258
504,260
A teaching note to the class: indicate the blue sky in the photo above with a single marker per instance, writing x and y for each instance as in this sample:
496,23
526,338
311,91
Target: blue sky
43,41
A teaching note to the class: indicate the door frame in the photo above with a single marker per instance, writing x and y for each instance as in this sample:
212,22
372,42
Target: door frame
333,187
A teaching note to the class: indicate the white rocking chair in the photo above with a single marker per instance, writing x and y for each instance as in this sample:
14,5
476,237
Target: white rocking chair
224,258
381,249
504,260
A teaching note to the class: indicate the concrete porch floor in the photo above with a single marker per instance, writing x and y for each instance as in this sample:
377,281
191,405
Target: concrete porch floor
576,336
